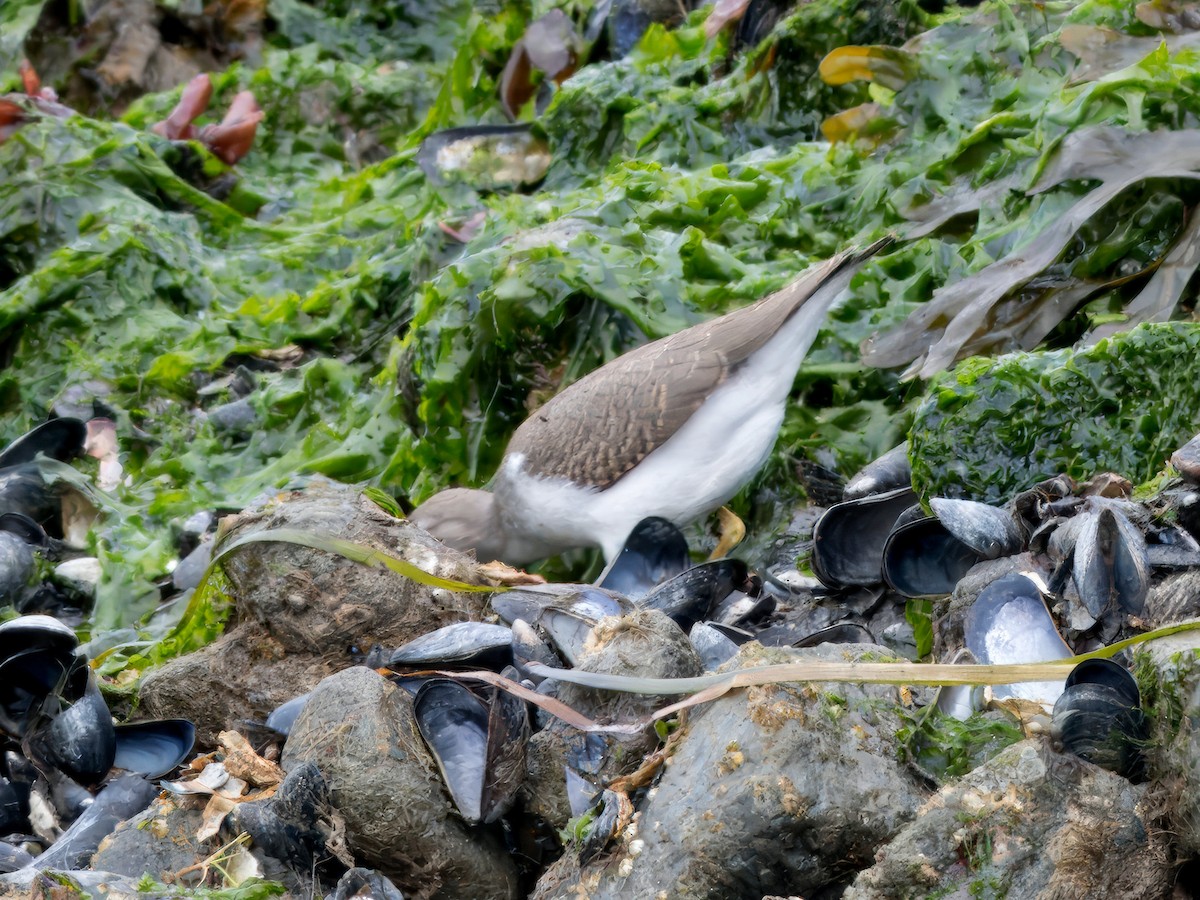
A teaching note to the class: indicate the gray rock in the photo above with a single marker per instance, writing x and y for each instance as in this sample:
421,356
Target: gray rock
160,841
359,729
1029,823
775,789
299,609
644,643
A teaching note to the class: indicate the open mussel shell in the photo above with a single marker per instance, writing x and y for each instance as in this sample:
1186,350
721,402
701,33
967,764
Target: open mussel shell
1110,565
849,537
122,798
569,620
476,644
922,559
69,798
29,679
688,597
1110,675
581,793
17,565
36,632
960,701
529,601
887,473
928,556
453,722
1009,623
79,741
24,490
153,748
508,738
654,552
568,630
479,747
714,647
284,716
486,157
1099,718
12,806
60,439
23,527
838,633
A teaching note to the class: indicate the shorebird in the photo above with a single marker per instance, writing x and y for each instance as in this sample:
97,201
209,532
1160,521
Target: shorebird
673,428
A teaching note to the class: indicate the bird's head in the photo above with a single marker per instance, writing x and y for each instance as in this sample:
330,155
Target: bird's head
465,519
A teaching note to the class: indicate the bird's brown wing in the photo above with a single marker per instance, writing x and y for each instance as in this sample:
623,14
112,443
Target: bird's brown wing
610,420
603,425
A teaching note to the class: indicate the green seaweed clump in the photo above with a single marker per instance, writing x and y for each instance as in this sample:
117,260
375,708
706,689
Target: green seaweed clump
945,747
993,427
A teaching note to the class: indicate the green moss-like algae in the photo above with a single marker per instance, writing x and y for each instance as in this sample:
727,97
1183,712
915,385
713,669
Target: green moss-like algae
993,427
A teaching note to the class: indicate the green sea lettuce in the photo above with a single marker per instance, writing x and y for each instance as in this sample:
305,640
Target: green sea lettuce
334,296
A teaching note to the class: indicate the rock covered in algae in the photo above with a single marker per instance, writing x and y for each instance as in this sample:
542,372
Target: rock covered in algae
775,789
359,730
299,610
1168,671
981,431
1028,823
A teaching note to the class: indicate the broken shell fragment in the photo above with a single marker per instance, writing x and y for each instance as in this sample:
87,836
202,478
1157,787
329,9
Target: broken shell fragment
486,157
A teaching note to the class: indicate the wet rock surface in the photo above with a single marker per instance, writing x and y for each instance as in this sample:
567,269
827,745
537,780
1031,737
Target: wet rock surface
161,841
299,611
781,788
645,643
1169,675
1028,823
359,730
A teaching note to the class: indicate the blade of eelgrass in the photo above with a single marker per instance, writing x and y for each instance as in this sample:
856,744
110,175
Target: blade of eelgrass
204,616
710,687
864,672
356,552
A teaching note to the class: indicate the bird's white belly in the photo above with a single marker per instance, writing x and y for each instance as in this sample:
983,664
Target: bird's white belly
704,464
